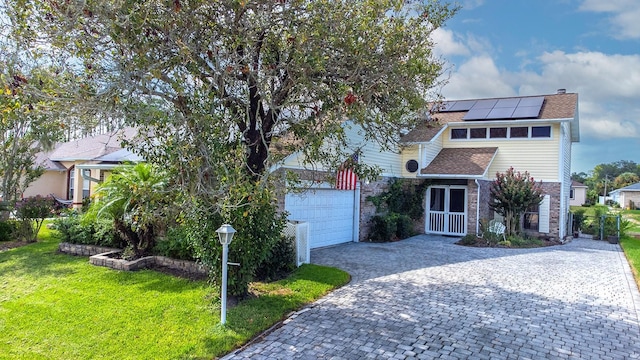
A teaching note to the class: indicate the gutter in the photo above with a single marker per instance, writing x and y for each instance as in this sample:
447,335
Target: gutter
477,206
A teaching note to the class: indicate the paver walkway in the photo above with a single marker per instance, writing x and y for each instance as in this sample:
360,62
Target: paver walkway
427,298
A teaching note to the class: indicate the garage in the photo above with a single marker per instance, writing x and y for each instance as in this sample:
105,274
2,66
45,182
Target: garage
329,212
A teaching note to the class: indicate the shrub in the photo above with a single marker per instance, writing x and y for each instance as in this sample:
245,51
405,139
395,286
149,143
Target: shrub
31,212
74,230
259,227
7,229
175,245
578,219
383,228
280,262
469,239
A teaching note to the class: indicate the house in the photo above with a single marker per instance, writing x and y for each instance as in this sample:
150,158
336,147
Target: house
628,197
73,169
457,151
577,194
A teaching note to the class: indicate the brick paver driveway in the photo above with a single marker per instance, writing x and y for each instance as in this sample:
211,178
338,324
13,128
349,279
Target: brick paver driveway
428,298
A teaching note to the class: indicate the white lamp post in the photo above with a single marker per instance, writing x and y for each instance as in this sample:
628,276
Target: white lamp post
225,233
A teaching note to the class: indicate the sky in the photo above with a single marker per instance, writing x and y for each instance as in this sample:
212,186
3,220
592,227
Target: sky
500,48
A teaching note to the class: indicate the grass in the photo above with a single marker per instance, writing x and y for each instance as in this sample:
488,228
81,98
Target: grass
56,306
631,247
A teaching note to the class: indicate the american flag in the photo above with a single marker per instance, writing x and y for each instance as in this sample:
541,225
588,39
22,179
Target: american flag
346,179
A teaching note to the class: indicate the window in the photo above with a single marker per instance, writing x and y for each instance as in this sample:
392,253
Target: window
498,133
541,131
572,195
532,218
458,133
519,132
72,180
478,133
86,183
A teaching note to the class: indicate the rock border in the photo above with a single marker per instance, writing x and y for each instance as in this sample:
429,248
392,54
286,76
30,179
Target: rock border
100,256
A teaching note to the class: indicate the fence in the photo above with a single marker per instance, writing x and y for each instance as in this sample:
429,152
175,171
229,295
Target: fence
599,226
299,230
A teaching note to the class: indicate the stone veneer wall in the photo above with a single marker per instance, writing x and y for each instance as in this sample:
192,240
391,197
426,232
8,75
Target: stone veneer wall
368,210
549,188
83,250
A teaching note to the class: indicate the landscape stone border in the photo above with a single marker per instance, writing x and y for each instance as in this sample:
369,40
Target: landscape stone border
101,256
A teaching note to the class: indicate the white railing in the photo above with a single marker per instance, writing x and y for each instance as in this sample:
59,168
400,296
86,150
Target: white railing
299,230
447,223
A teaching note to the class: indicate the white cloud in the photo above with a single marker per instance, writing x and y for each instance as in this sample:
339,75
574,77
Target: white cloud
446,44
472,4
624,15
478,77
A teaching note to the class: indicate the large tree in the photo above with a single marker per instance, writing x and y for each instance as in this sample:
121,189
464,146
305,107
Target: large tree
222,90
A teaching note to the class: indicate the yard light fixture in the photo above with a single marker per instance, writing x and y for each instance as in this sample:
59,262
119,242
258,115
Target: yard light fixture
225,234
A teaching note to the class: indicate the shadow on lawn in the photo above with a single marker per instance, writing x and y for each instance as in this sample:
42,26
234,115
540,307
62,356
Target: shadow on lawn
38,259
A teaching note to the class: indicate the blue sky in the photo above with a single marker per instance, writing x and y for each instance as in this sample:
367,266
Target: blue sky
527,47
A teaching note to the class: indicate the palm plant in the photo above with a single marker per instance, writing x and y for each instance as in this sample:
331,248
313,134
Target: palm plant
135,198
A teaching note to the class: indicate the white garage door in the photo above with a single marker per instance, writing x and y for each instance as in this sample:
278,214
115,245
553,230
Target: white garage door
329,213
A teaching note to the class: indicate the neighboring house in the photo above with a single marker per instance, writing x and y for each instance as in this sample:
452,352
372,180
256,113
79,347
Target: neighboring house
577,194
458,151
74,168
628,197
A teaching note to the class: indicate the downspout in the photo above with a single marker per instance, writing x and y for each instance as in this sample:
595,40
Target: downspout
477,206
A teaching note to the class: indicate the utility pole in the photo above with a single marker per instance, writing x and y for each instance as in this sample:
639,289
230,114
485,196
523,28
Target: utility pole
604,198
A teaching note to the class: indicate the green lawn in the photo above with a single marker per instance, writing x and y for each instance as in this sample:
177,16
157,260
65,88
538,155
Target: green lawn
56,306
631,247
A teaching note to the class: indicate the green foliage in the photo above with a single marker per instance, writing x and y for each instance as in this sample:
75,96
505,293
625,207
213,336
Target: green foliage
75,230
31,212
137,201
469,239
280,262
524,241
511,194
257,222
398,207
7,230
175,244
579,218
114,312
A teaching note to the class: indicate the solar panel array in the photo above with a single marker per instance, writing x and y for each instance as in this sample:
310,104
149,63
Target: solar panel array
492,109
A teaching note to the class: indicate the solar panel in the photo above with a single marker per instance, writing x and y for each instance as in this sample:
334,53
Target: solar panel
510,108
523,112
531,101
501,113
485,104
476,114
451,106
463,105
507,103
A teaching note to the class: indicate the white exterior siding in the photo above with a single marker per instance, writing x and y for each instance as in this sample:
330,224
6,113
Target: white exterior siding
390,162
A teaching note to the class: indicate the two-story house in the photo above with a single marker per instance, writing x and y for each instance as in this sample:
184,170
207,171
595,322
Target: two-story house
458,151
465,143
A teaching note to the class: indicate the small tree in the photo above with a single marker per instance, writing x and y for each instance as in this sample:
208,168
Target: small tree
31,212
135,198
511,194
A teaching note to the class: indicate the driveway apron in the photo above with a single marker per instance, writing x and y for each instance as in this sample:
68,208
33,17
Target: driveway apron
427,298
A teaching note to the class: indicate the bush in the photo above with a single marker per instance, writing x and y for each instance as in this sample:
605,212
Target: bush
100,232
259,227
31,212
390,227
578,219
7,230
469,239
175,245
280,262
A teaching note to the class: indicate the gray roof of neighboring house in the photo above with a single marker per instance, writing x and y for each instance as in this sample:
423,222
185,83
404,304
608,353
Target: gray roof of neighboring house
120,156
92,147
43,159
632,187
577,184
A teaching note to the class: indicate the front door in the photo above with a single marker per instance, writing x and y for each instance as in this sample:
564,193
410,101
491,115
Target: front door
446,210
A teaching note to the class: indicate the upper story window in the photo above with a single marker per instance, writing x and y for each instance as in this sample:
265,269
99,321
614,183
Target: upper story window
519,132
458,133
513,132
541,131
498,133
478,133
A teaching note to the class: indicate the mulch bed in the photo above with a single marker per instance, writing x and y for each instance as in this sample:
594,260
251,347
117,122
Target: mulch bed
6,245
483,243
